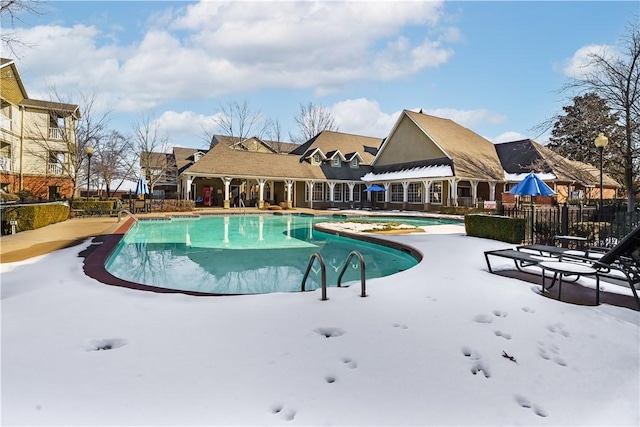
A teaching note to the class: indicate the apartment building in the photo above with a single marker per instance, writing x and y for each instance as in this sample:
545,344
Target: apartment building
38,144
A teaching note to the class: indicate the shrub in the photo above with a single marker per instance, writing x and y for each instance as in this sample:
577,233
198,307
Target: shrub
34,216
495,227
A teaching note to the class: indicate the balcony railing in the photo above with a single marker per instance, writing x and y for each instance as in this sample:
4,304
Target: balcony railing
5,164
54,169
55,133
5,122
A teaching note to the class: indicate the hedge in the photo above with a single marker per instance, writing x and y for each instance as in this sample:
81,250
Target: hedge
503,228
30,217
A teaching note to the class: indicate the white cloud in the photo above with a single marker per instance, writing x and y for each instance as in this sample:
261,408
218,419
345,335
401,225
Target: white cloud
507,137
580,63
363,117
186,128
468,118
209,49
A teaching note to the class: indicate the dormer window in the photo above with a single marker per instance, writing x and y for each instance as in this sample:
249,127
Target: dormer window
316,159
354,162
197,156
335,162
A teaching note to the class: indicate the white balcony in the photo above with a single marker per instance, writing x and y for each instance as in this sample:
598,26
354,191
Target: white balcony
5,164
54,169
55,133
5,122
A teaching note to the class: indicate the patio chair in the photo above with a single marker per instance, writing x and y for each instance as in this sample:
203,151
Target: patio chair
622,262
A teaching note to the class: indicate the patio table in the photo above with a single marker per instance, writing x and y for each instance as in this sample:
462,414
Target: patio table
562,268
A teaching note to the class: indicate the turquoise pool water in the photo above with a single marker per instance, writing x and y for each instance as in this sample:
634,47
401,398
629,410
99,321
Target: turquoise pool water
246,254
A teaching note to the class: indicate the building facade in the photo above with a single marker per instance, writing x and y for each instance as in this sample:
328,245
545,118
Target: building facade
37,140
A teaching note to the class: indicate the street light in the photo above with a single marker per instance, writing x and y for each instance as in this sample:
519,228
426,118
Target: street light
601,141
89,152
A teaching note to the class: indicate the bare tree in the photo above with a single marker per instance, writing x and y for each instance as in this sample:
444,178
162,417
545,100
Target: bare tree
616,79
10,12
153,151
312,119
66,151
238,120
112,160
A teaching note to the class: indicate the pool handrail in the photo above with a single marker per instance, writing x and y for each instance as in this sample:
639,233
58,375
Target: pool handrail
363,290
127,212
323,270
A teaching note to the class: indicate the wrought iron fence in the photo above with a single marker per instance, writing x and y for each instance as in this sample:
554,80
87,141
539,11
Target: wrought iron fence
600,227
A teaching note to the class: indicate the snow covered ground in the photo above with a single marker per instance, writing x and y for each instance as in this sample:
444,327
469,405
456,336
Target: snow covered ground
444,343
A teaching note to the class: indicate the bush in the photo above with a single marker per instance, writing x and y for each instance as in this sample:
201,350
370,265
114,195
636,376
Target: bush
34,216
503,228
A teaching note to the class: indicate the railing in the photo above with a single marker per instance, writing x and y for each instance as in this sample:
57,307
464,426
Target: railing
121,211
5,122
603,227
54,169
363,290
323,272
5,164
55,133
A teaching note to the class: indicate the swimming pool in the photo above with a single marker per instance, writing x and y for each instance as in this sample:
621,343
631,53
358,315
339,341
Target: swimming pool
246,254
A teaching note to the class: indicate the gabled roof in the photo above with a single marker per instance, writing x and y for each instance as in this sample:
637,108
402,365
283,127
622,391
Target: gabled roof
243,143
222,160
526,155
473,156
334,153
184,156
51,106
328,141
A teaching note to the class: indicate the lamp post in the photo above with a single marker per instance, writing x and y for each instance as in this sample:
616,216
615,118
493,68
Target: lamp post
601,141
89,152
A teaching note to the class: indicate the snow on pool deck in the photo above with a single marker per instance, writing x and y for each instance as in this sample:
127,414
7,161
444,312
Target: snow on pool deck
443,343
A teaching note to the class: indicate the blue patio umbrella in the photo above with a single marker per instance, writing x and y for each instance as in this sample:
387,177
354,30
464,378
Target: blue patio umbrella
375,187
531,185
142,187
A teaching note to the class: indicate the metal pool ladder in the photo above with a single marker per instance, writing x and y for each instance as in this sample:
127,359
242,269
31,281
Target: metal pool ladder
363,290
121,211
323,270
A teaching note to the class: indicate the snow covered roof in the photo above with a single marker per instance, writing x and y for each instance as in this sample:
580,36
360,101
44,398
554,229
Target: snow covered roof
517,177
413,173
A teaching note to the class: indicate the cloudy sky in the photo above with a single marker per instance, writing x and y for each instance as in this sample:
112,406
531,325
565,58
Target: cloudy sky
494,67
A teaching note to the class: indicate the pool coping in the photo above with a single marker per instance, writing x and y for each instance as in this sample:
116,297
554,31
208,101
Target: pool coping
98,253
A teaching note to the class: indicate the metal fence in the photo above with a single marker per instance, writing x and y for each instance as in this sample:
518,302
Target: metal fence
600,227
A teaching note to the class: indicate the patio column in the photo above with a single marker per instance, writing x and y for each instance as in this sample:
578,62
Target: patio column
405,194
289,184
186,188
492,190
310,185
453,191
351,186
227,184
332,185
427,192
261,183
474,191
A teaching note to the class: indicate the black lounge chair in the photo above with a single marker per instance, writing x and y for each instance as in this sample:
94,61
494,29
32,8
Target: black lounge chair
623,258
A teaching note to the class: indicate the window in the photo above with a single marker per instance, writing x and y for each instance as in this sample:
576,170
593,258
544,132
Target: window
380,196
337,192
318,192
316,159
397,193
435,192
357,189
335,162
197,157
354,162
414,192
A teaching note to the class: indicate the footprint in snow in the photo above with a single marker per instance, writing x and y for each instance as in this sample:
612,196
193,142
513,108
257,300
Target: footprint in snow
525,403
351,364
499,313
399,325
528,310
483,318
503,335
